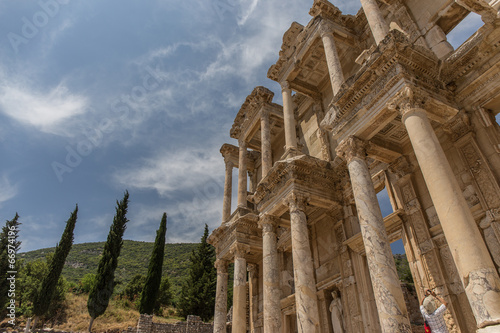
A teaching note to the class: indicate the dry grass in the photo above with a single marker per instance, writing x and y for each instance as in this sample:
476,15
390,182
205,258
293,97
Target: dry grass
120,314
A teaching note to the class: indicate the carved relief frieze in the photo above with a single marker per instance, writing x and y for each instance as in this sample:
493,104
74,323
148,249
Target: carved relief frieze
484,186
316,173
459,126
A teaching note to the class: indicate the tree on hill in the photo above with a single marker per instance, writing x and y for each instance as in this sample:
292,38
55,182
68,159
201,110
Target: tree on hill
134,288
149,294
44,296
103,289
28,283
198,291
164,295
9,245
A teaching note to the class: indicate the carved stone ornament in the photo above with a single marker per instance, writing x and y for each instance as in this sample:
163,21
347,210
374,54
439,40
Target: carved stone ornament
296,201
285,85
252,269
325,28
351,148
221,265
400,167
408,99
268,223
458,126
229,164
240,250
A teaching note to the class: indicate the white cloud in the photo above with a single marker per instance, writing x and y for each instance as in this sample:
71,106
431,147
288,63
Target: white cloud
7,190
43,110
174,171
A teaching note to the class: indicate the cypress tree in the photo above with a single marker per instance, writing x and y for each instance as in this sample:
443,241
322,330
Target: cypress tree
8,241
149,294
198,291
102,290
49,283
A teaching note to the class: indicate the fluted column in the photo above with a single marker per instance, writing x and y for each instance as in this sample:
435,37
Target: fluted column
389,298
272,306
221,297
288,117
306,301
376,20
242,174
332,57
265,133
228,184
473,261
239,288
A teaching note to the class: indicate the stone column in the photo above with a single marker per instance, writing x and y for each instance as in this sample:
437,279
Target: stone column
270,267
306,301
240,288
389,298
473,261
253,283
228,183
242,175
288,117
376,20
332,57
221,297
266,151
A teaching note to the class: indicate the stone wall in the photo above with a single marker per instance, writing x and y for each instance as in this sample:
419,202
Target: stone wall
192,325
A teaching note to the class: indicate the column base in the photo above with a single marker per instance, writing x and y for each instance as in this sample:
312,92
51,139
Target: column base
489,329
290,152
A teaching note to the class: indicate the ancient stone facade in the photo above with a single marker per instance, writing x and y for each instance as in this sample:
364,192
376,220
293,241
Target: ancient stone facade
372,101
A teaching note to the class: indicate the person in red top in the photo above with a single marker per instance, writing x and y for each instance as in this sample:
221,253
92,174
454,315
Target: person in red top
433,316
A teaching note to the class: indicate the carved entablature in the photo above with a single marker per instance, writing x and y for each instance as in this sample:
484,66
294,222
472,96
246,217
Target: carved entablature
394,64
324,9
231,155
327,11
468,71
243,231
287,51
248,114
288,175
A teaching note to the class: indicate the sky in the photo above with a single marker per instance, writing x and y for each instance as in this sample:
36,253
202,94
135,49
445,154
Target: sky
99,97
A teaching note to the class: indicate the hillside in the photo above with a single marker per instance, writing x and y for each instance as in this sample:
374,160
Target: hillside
134,258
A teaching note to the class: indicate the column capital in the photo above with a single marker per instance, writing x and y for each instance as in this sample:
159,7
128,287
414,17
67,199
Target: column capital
242,142
268,223
296,201
229,164
285,85
252,268
239,250
264,113
221,265
325,28
409,99
351,148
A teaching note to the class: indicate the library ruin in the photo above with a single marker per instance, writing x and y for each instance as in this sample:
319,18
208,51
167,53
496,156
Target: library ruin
372,101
